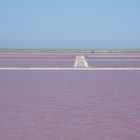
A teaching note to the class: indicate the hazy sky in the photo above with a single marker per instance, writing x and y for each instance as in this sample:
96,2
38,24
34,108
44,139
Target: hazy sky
70,24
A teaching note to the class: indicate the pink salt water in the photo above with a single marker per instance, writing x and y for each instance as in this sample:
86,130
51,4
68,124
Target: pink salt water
72,105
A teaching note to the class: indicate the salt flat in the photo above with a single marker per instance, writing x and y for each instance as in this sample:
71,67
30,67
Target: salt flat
69,104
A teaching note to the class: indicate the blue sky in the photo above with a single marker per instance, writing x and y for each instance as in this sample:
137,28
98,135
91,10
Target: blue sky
70,24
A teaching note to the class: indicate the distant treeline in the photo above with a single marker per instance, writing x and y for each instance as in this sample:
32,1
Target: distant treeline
67,51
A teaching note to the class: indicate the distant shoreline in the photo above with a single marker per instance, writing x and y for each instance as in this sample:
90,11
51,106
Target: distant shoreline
110,51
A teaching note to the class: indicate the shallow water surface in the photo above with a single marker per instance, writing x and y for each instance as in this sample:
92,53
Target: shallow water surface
72,105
